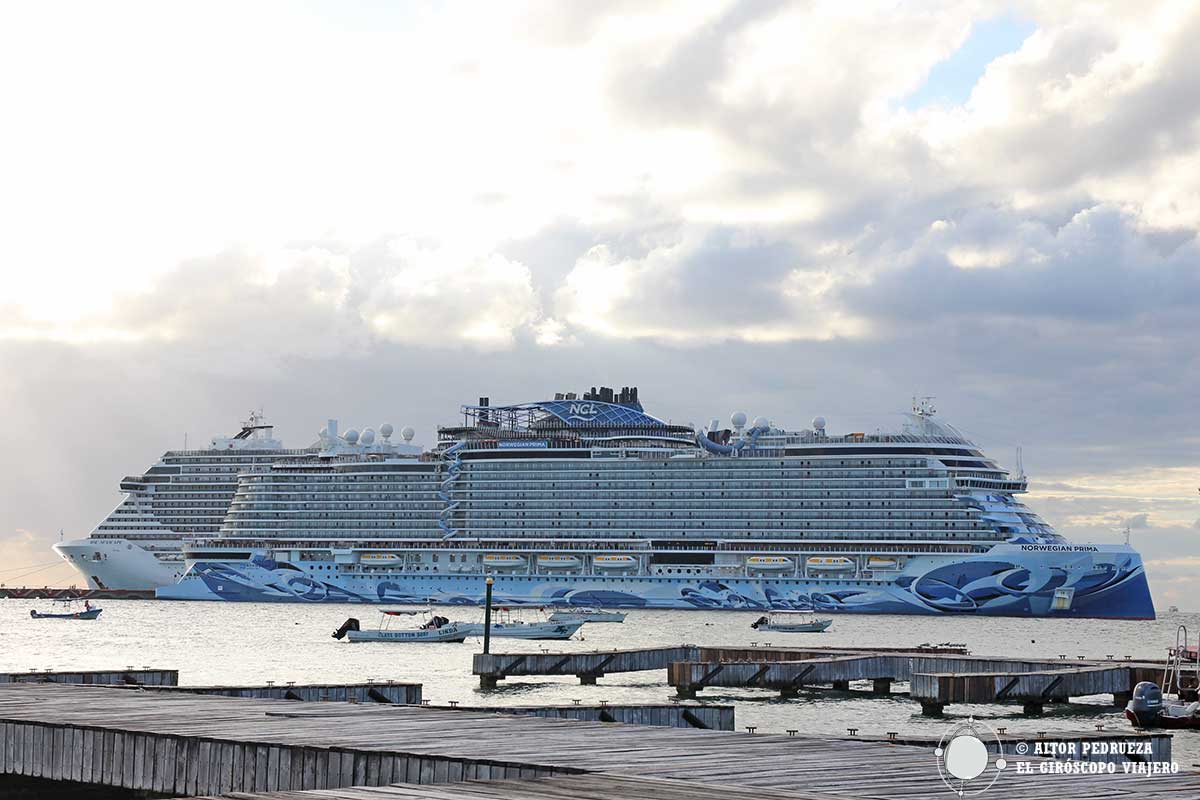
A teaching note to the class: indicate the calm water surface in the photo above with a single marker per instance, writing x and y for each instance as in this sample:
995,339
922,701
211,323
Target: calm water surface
214,643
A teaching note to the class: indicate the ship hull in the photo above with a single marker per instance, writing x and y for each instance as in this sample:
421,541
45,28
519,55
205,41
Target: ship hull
118,564
1089,581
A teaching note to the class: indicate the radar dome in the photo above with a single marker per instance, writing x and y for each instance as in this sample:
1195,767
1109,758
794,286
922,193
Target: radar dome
819,423
385,430
368,436
738,418
351,436
761,422
407,434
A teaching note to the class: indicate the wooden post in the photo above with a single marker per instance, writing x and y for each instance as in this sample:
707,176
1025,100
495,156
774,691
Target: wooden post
487,617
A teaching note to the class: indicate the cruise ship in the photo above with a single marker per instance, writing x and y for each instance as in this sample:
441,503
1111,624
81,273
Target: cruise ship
590,500
185,494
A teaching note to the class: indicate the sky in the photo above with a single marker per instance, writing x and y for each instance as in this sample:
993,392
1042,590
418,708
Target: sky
379,212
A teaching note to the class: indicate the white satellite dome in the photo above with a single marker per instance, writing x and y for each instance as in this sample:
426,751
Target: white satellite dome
738,419
351,436
368,436
407,434
385,430
818,423
761,422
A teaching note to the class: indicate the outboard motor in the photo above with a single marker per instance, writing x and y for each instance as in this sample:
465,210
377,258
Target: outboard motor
349,625
759,621
1146,705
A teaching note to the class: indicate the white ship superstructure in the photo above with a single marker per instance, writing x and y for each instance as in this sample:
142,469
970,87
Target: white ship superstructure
591,501
186,494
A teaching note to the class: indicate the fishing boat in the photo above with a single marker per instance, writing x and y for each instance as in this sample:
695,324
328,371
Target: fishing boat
69,612
436,629
508,624
587,615
791,622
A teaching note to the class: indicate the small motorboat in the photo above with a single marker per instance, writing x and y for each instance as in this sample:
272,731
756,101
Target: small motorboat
587,615
791,622
508,625
69,612
1148,709
436,629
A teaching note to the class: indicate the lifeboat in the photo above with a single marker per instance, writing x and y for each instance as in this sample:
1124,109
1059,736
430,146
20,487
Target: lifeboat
608,563
882,562
558,562
503,561
830,564
768,563
380,559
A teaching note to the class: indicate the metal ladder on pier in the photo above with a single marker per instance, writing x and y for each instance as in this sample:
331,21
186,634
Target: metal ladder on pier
1182,671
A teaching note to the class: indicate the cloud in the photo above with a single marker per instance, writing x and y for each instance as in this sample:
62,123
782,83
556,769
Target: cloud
730,206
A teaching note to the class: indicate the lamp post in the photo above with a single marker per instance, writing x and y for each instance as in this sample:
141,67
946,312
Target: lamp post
487,617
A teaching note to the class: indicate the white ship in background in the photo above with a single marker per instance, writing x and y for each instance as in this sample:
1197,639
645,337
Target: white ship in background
185,494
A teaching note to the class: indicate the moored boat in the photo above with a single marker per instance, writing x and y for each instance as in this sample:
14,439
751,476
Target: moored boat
791,622
587,615
509,625
436,629
69,611
90,614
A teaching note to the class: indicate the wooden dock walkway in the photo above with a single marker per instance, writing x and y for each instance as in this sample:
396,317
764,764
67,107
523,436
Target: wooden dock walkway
675,715
103,677
371,692
184,744
1033,688
588,666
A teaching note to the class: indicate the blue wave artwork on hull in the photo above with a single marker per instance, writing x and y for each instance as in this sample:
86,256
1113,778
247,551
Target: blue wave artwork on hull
1005,585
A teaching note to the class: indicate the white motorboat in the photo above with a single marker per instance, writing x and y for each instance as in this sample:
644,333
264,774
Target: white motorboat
587,615
435,629
508,625
791,622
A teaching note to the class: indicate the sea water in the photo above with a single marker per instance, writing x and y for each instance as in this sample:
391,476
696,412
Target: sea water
251,643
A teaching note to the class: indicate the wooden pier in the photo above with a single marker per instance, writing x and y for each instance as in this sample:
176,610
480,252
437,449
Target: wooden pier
125,677
1032,688
372,692
178,744
937,676
674,715
592,665
182,744
72,593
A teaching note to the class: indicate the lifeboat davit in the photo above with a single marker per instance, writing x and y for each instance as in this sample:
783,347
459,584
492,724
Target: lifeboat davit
608,563
830,564
559,562
769,563
504,561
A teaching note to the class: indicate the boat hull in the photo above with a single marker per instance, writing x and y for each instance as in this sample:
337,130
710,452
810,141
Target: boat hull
1104,581
593,616
801,627
557,631
449,633
93,614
